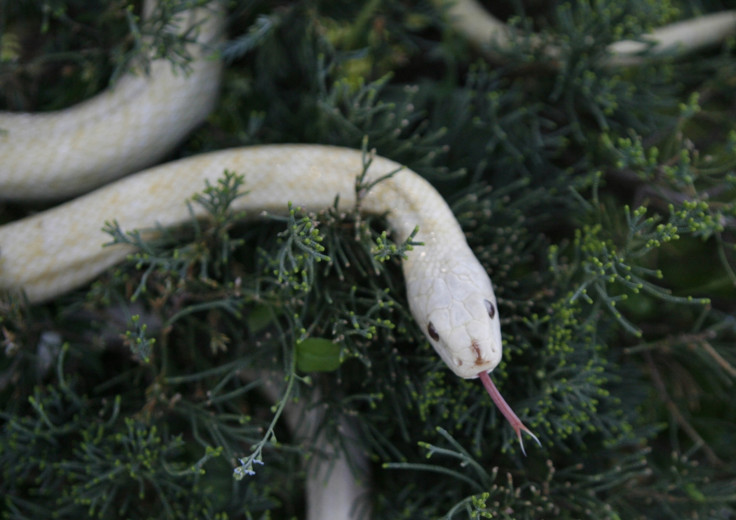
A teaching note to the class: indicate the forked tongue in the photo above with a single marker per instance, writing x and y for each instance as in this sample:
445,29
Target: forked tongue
506,410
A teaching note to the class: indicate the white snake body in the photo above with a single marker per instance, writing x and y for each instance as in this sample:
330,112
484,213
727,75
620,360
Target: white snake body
127,127
491,35
54,251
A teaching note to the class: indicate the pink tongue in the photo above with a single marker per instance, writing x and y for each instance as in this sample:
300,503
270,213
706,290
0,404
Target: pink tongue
506,410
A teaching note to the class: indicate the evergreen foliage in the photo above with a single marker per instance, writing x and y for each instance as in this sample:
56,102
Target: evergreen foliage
601,201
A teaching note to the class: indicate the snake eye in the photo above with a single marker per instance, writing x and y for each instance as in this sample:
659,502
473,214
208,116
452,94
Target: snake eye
490,308
432,332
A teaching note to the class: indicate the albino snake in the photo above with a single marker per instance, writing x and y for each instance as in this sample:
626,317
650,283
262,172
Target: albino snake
449,292
133,124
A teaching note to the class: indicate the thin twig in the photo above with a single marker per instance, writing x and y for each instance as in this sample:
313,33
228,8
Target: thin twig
675,411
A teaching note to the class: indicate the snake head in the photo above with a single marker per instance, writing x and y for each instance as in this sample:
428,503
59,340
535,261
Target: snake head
458,312
457,308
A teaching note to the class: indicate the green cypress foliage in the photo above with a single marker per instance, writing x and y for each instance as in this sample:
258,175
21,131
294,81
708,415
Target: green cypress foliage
601,201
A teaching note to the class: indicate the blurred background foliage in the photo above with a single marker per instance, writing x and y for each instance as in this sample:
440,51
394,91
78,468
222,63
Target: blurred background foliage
601,201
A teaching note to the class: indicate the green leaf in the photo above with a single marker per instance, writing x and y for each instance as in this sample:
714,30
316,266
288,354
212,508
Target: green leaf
317,355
